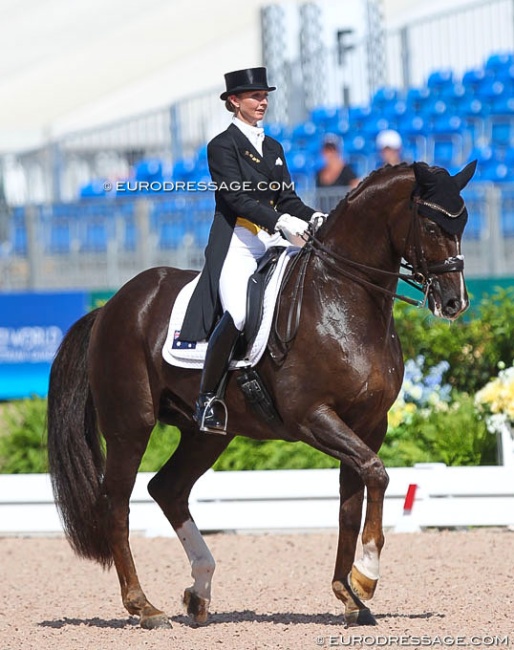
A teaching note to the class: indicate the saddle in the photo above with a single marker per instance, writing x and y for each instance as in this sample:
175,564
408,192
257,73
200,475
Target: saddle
249,381
255,294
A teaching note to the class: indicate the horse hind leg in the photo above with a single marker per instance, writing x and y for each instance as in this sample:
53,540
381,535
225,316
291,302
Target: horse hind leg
171,488
122,463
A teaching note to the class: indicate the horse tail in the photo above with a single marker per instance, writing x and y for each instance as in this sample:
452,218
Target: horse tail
75,454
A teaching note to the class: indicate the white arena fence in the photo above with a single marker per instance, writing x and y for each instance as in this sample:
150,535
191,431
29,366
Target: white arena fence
279,500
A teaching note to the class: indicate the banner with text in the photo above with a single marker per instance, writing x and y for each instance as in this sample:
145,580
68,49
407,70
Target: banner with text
32,326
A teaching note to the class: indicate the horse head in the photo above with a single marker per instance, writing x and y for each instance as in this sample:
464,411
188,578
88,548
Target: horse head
433,247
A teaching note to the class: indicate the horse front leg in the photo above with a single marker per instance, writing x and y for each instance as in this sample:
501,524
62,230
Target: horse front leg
354,581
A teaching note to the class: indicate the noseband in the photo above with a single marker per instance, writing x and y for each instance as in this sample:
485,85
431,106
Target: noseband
420,276
423,274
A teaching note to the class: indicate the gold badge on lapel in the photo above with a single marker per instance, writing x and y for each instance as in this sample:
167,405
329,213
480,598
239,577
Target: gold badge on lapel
252,157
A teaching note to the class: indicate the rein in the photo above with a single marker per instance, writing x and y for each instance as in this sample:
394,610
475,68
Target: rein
419,277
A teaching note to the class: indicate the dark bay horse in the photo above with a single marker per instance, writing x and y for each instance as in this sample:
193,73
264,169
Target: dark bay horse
332,389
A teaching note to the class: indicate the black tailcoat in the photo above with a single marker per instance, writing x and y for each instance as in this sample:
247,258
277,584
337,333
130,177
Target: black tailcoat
258,188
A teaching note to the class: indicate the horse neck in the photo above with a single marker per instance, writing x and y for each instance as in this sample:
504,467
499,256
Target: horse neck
371,225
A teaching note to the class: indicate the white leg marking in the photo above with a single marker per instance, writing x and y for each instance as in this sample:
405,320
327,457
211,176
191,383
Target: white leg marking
369,565
199,556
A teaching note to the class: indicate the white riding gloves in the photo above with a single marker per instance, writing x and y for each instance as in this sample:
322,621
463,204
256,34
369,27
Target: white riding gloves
317,220
292,228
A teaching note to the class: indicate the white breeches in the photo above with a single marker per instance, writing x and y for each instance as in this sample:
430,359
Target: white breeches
244,251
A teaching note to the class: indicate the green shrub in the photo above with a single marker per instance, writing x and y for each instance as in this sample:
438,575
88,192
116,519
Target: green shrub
163,442
455,435
244,453
473,346
23,445
241,454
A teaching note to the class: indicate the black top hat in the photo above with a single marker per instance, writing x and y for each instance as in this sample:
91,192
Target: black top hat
241,80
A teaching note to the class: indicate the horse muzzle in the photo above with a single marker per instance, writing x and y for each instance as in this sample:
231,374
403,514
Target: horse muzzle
447,297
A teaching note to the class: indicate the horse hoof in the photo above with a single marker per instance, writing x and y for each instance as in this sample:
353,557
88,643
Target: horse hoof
197,607
156,621
362,586
360,617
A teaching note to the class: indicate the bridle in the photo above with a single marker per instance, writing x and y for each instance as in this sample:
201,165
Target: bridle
420,276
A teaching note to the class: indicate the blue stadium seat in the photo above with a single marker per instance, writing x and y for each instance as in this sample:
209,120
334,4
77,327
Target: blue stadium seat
60,237
473,114
495,171
305,134
502,104
184,169
499,63
413,130
417,99
490,89
150,170
201,230
129,235
373,125
394,112
477,213
472,79
384,98
94,237
171,234
447,123
300,163
440,80
453,94
19,238
326,118
275,130
446,149
507,212
93,189
358,116
501,131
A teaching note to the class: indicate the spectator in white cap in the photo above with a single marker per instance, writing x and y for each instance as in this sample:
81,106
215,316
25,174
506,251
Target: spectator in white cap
389,147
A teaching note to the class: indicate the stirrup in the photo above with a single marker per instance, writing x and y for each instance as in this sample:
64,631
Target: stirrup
208,409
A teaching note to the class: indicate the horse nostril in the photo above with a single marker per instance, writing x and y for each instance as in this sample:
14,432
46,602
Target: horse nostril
453,306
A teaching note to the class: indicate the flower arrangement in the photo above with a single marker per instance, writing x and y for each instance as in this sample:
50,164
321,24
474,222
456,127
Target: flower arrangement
496,400
421,391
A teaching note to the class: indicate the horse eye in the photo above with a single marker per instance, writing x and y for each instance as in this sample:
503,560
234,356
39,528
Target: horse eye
430,228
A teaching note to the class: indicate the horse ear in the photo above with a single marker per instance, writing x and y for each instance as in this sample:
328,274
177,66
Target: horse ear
422,173
465,175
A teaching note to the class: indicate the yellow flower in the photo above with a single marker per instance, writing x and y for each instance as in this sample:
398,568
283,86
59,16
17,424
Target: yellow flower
497,396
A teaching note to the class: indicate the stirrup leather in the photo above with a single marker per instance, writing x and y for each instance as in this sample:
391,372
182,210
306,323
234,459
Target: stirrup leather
208,406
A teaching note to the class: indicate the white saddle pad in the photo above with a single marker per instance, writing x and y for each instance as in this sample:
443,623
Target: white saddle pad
192,355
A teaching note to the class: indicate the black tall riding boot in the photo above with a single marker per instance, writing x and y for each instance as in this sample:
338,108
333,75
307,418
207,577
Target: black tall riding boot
211,412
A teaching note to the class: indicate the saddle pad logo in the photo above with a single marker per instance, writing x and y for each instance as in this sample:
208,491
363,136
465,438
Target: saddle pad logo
182,345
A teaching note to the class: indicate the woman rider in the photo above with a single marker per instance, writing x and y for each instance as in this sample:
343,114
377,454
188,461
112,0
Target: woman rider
256,208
